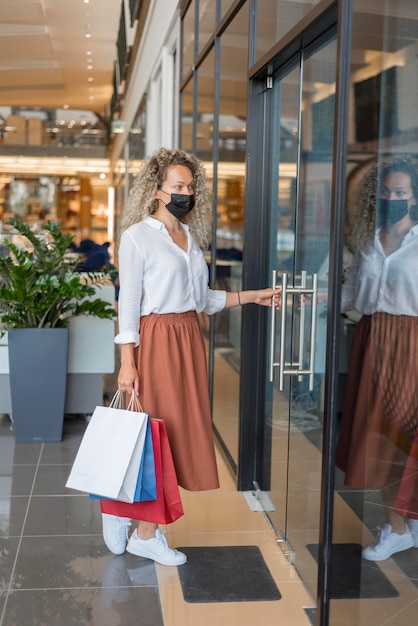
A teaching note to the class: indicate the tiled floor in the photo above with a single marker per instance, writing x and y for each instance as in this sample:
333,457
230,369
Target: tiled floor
56,570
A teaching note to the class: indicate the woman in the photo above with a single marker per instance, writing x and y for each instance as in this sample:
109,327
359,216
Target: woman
163,286
378,441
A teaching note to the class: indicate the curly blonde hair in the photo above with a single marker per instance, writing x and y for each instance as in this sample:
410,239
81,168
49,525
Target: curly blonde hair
363,184
141,201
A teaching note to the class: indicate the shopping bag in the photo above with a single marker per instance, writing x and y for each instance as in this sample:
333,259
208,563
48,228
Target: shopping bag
146,487
110,453
168,506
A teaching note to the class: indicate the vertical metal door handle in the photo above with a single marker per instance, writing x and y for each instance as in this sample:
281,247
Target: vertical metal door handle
299,364
294,368
283,332
313,331
272,328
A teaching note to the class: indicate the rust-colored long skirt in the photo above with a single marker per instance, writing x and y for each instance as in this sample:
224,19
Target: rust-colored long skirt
171,363
378,441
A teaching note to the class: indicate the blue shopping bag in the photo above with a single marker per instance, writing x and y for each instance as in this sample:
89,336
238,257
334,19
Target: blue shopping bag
146,488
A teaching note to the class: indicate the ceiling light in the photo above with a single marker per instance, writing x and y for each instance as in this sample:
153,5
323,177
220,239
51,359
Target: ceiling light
66,106
88,35
90,79
89,52
89,67
91,97
86,1
102,175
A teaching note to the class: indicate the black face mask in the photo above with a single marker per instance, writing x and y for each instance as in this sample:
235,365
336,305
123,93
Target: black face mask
180,204
391,211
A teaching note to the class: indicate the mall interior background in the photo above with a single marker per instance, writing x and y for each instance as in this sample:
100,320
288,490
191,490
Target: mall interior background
278,99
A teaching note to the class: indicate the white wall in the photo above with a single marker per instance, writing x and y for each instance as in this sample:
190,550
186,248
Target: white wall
152,73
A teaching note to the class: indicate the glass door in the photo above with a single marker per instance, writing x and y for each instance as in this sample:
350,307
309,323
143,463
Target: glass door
303,114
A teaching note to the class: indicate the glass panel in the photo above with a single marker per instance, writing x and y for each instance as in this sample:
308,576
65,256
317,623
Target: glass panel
377,447
230,219
205,105
225,5
283,216
303,142
275,18
187,117
312,257
188,40
137,141
207,21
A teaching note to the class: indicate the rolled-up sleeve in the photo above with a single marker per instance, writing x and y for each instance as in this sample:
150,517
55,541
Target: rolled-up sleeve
215,301
131,269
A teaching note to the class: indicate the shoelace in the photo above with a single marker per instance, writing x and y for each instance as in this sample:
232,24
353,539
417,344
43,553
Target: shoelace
382,534
161,538
163,541
122,530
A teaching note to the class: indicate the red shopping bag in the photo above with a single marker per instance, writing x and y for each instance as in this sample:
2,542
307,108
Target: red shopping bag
168,506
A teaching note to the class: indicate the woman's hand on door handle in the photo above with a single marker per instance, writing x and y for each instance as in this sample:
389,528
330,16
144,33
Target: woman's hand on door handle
263,297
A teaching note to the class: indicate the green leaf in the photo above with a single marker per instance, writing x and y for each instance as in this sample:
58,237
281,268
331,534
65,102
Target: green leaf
40,286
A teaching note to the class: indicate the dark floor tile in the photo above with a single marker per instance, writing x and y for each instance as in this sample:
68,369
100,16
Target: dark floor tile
16,480
8,551
77,561
128,570
60,562
27,453
352,577
64,451
408,562
136,606
16,453
50,480
12,515
63,515
367,506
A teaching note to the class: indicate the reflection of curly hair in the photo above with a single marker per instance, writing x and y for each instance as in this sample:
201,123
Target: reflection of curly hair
363,184
141,201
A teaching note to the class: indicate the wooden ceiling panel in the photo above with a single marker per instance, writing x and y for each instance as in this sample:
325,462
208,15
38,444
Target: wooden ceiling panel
43,43
21,12
16,48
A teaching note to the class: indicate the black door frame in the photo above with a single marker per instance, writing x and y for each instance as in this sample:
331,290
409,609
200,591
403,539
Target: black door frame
254,452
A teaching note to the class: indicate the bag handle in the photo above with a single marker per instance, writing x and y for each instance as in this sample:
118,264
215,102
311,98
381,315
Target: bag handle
118,402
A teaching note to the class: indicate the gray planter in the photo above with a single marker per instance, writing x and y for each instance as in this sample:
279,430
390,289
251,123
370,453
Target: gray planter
38,377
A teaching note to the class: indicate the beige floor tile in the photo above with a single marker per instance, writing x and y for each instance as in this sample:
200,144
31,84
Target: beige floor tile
288,610
218,511
376,612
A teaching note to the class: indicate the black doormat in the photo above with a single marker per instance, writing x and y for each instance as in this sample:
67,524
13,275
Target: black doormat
352,576
226,574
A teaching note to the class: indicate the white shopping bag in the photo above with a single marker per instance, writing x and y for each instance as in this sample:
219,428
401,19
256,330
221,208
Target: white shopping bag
109,456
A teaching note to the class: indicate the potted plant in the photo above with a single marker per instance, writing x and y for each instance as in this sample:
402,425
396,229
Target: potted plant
40,290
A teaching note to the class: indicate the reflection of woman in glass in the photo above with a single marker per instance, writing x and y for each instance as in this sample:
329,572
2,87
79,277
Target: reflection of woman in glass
378,442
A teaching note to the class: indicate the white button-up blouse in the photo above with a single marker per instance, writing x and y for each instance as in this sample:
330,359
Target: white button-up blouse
157,276
375,282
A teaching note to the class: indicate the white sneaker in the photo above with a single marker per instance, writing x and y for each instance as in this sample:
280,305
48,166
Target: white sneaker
388,543
156,549
413,529
115,532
